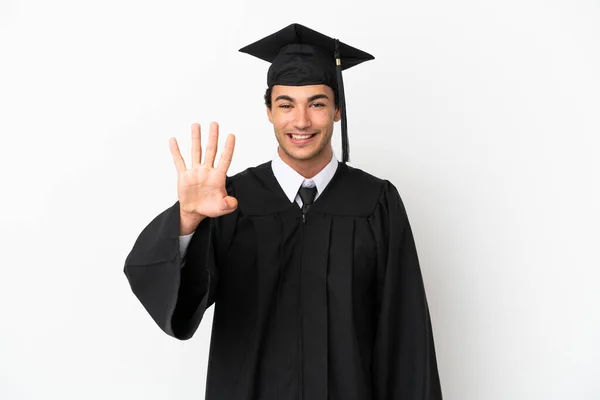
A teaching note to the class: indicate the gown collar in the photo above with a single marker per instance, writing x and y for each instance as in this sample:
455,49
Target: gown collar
290,180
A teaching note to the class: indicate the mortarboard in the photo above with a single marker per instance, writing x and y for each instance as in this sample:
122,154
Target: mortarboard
300,56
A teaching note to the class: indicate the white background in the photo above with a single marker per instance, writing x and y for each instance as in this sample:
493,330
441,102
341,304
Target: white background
484,114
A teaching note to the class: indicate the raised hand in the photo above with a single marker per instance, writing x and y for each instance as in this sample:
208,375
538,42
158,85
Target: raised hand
201,188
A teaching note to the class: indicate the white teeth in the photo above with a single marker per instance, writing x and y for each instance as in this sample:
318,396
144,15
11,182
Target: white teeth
301,137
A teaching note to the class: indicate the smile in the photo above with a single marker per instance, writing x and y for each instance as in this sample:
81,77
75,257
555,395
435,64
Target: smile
301,136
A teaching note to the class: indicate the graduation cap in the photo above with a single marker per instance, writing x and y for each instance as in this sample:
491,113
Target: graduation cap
300,56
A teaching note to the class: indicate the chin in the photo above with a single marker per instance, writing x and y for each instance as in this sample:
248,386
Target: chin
303,154
300,155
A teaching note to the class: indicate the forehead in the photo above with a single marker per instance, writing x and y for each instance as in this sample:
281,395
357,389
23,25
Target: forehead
301,92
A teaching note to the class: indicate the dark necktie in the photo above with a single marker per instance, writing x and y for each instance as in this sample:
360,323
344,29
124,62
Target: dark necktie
307,194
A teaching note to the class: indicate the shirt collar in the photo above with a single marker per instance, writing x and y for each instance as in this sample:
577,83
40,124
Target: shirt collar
290,180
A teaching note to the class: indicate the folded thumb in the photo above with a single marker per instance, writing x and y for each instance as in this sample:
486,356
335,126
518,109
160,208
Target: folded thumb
229,203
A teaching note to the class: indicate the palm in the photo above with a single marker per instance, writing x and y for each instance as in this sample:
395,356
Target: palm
201,188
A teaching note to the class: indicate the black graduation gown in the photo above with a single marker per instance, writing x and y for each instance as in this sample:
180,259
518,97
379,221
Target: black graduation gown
330,305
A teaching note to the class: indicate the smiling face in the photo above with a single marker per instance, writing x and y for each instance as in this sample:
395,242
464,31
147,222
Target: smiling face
303,118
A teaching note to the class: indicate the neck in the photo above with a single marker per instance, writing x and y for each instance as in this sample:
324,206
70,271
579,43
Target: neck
308,168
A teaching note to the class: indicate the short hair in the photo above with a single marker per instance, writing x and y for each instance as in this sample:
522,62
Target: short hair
269,101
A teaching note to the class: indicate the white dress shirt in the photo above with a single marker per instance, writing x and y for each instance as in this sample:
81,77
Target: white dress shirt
290,181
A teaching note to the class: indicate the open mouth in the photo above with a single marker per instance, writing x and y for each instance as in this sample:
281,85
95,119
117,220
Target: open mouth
301,138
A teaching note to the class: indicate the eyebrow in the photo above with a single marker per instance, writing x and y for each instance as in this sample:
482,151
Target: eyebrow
311,98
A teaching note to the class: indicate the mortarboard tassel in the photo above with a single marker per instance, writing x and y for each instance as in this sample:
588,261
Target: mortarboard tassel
342,98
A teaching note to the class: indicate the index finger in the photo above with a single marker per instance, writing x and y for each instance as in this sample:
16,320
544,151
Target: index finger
227,154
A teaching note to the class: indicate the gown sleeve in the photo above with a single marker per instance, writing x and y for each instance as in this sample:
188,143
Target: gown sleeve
176,291
404,359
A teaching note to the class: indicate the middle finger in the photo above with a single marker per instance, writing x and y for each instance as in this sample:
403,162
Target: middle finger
196,147
211,147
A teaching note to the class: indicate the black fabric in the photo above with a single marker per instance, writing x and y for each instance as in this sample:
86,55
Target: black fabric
327,307
302,56
307,194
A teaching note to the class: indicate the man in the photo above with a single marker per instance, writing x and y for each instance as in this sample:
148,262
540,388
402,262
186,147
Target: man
310,263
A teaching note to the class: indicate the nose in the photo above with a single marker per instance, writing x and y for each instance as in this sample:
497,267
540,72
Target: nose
301,120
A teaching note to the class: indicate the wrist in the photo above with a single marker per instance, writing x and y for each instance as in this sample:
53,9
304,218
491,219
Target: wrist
189,222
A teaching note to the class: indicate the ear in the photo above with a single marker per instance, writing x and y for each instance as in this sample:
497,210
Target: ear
269,114
338,114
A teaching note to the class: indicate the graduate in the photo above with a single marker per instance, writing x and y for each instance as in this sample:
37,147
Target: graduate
310,263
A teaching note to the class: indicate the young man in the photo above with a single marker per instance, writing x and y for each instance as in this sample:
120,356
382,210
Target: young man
310,263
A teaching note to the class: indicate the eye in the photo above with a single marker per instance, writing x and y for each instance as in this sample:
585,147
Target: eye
318,105
285,106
